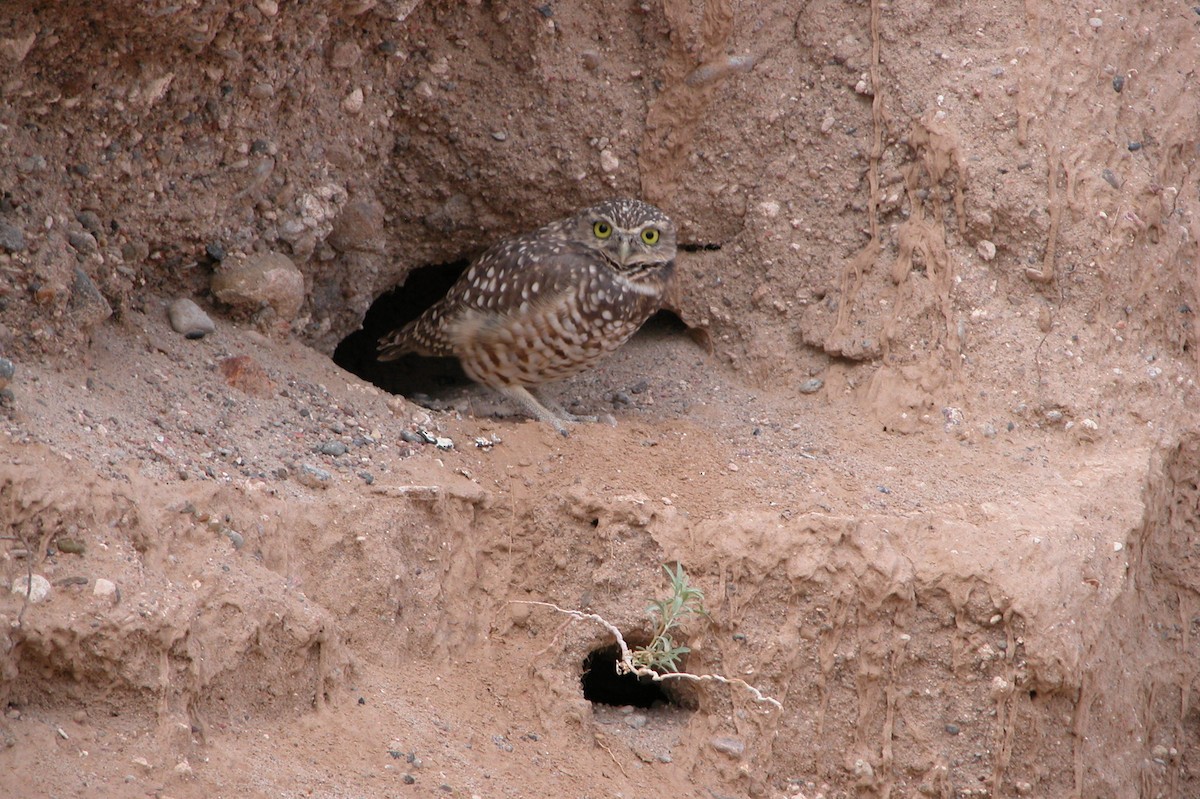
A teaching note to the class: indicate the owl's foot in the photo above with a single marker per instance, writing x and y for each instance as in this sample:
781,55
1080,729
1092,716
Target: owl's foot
545,410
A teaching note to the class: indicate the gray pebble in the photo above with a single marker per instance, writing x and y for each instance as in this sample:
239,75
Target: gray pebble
1118,83
637,721
32,163
621,398
235,538
91,223
367,477
7,370
190,319
812,385
726,744
313,477
412,437
1134,146
82,241
333,448
12,238
1111,178
952,729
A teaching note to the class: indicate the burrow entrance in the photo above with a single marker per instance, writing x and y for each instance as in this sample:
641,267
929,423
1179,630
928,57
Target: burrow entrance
428,380
602,685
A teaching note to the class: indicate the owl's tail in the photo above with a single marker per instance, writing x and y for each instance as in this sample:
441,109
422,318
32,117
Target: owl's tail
396,344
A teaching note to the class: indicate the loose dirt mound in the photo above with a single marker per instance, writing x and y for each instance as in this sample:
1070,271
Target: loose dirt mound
921,429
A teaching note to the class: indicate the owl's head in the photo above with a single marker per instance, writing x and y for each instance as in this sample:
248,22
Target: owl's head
632,235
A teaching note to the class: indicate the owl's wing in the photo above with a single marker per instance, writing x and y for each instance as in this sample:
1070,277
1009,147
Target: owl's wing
512,279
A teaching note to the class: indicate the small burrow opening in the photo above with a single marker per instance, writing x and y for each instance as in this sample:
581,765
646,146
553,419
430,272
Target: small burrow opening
411,375
603,685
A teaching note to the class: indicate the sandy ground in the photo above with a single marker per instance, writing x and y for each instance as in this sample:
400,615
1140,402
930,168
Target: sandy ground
920,423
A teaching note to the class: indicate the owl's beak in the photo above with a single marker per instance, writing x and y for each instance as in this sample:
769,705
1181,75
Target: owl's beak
624,250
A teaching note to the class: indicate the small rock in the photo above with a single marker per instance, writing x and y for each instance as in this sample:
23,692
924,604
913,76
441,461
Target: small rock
313,477
36,588
811,386
260,280
215,250
1095,22
412,437
951,728
91,223
1111,178
345,55
189,319
7,370
358,226
353,102
637,721
499,135
104,588
246,374
88,306
591,60
334,449
83,242
1118,83
986,250
16,48
12,238
235,538
734,747
1134,146
32,163
609,162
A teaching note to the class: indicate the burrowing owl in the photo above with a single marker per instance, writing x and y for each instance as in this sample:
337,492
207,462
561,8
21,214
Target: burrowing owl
545,305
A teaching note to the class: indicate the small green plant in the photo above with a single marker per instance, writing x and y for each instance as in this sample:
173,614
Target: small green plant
662,654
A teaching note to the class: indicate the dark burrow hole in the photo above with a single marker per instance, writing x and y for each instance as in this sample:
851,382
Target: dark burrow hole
602,685
411,374
419,377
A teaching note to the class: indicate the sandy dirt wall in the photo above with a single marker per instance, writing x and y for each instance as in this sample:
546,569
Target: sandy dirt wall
932,467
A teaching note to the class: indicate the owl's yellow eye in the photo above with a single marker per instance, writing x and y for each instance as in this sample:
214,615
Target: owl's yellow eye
602,230
650,235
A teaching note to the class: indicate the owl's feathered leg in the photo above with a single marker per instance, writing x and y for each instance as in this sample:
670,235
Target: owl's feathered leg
545,410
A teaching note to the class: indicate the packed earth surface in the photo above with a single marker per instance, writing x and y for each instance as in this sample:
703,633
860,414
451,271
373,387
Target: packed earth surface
918,418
